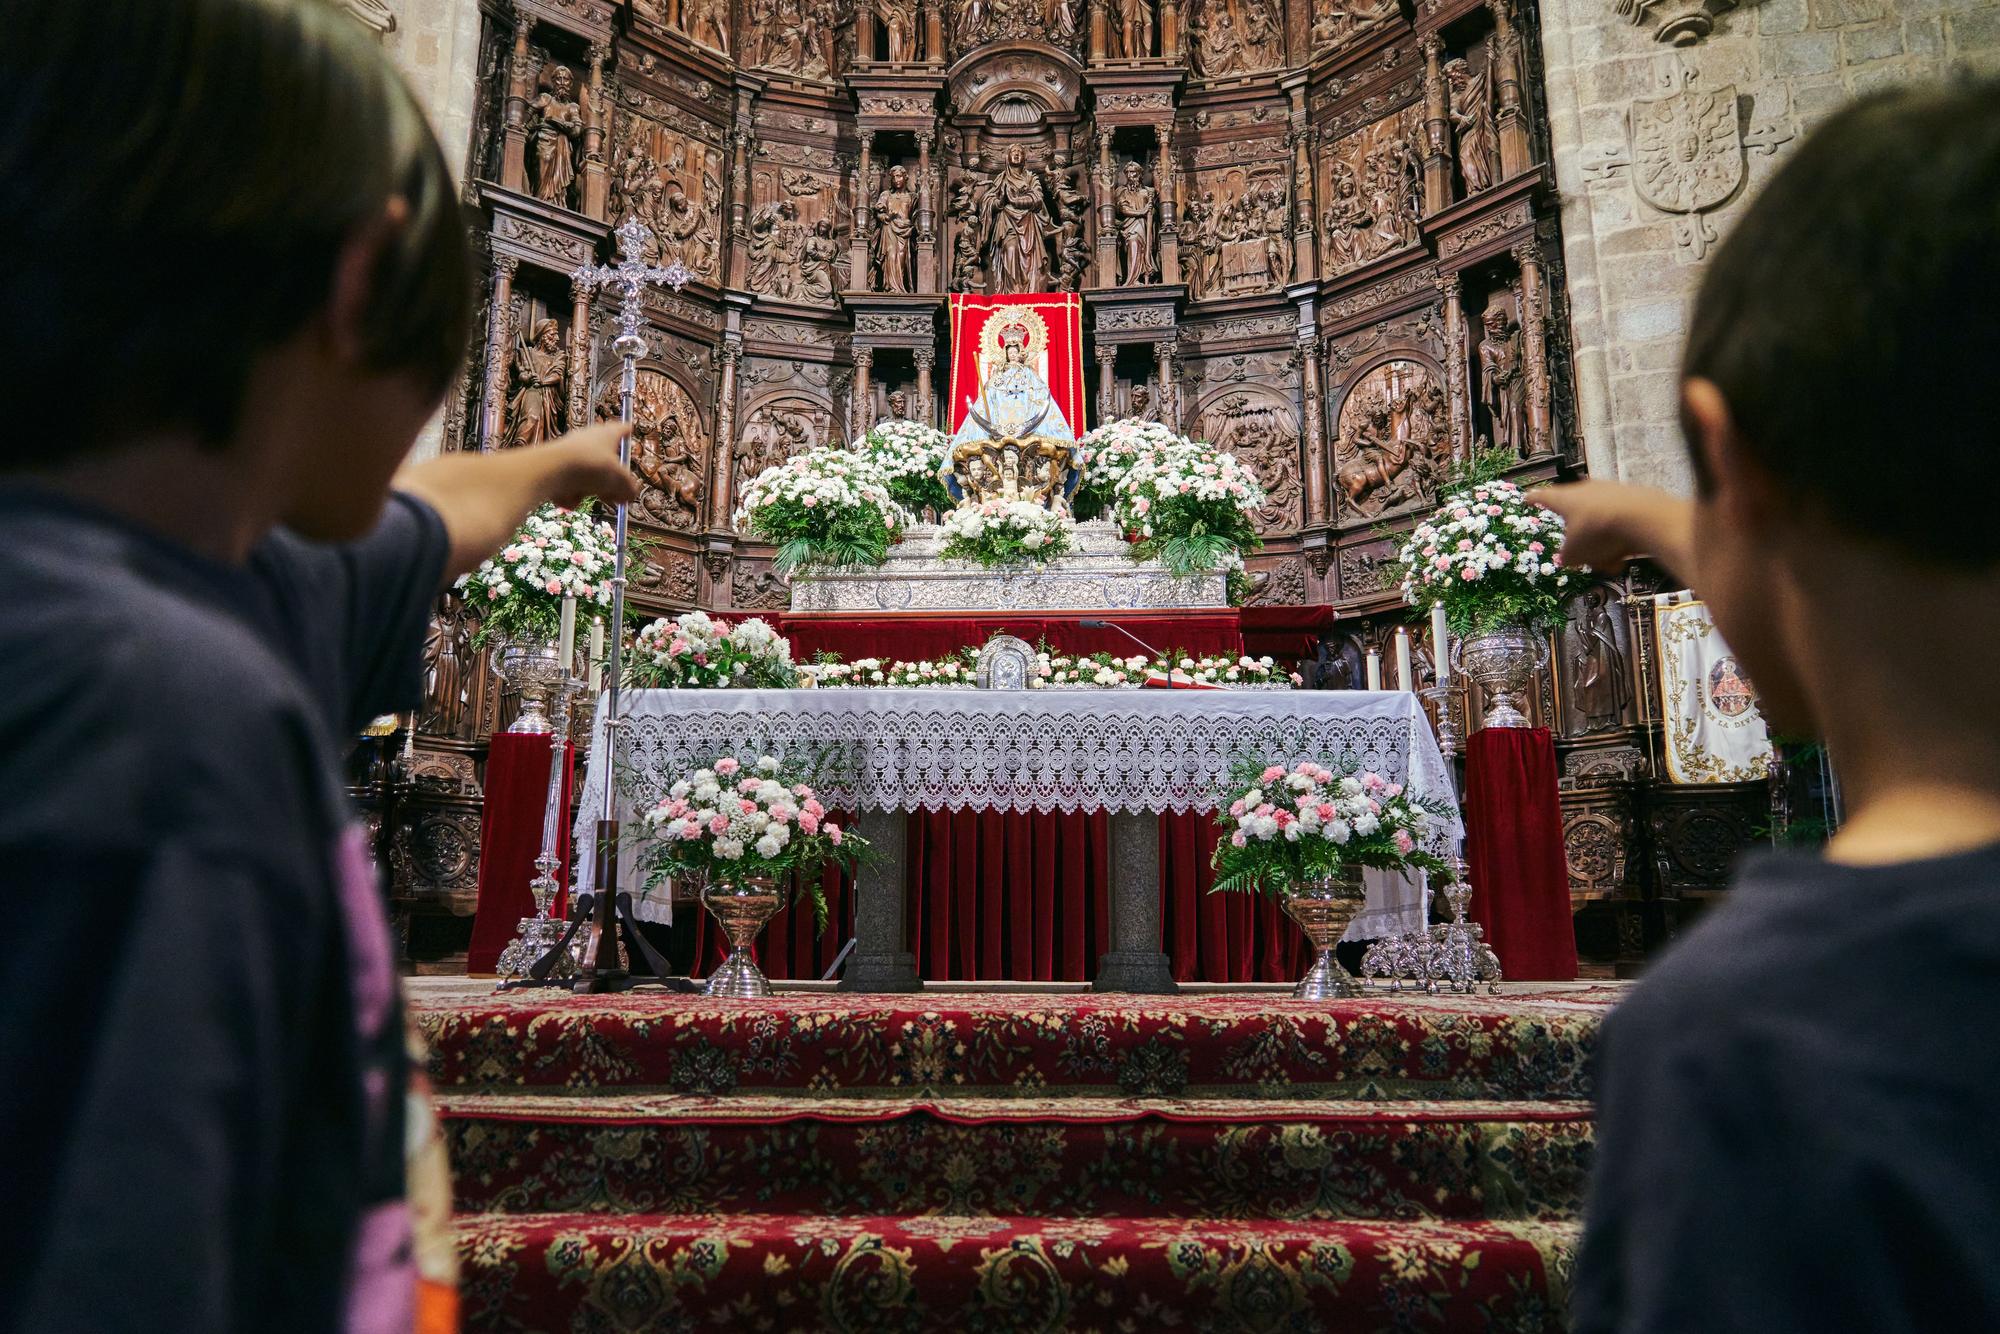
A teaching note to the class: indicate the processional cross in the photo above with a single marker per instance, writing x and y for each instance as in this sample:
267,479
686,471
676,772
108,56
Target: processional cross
607,906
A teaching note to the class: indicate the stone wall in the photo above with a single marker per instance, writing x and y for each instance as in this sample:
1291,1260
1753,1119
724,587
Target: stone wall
1638,220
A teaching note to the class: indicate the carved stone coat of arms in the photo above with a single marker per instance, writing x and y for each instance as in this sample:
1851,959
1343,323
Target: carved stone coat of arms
1687,149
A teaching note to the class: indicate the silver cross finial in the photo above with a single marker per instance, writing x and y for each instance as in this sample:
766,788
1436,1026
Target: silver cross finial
629,278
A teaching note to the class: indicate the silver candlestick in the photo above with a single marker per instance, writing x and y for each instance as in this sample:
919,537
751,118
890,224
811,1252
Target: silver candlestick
539,933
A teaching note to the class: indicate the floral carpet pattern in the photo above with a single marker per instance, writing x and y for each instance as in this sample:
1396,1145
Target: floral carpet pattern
1016,1162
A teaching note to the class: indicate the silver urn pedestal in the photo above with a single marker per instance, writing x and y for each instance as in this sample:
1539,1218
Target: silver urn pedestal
1323,908
1503,663
742,908
535,670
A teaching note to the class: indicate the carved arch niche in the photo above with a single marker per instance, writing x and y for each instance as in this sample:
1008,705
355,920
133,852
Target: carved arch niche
1260,426
671,444
778,424
1391,434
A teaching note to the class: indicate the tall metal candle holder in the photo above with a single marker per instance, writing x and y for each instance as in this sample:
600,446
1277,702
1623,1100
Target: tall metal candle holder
540,935
601,911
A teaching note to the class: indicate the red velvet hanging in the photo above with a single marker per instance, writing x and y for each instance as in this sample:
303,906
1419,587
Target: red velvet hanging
1513,839
510,838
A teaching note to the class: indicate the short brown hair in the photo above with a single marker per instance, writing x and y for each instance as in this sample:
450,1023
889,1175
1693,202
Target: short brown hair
176,180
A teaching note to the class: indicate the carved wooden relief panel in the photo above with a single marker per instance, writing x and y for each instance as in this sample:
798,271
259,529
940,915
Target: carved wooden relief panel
1236,232
672,179
669,451
1371,191
1392,439
1259,426
797,225
810,39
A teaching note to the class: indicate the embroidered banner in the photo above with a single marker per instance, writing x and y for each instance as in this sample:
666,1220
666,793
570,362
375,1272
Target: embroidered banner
1714,731
1047,327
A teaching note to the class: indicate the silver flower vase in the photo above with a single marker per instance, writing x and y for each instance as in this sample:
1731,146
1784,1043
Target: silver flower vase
534,668
741,908
1503,663
1323,908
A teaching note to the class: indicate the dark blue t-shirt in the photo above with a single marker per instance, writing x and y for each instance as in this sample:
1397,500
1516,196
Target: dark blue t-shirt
1796,1120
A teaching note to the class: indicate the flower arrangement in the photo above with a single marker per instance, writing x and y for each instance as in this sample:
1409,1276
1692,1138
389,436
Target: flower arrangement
1102,670
957,671
693,651
736,819
1190,505
1104,455
1053,671
1487,556
555,554
823,507
1288,826
1225,671
1006,532
911,458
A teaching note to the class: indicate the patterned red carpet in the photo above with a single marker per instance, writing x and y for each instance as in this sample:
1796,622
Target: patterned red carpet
1004,1163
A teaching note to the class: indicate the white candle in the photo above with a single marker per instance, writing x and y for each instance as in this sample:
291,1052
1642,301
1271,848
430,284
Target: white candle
1374,669
566,646
1406,675
596,654
1441,644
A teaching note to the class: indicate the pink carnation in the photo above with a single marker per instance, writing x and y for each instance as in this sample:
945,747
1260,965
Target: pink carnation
727,765
719,825
808,822
1273,774
833,834
1404,843
1238,839
814,809
1326,811
554,584
749,807
1236,807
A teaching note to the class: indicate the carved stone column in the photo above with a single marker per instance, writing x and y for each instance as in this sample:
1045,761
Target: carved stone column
1135,962
1170,225
1437,127
861,403
1458,357
882,960
927,248
1100,23
1107,220
514,119
499,351
1313,413
1516,149
926,410
1170,30
723,464
1170,389
739,197
858,276
1535,345
579,355
1107,382
596,191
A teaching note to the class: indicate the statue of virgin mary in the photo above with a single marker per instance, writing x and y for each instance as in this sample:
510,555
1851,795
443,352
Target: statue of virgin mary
1015,442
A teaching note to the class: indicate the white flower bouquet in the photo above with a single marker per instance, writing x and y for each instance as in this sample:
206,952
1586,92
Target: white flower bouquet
911,458
1104,455
1190,505
693,651
1006,532
1307,822
1487,556
735,819
1063,671
823,507
556,554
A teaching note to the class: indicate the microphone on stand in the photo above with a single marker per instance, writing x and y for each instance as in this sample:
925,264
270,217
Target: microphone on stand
1113,625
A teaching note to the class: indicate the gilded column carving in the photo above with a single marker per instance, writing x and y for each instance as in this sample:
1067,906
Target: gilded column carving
514,119
1107,221
499,351
723,460
925,409
596,191
1458,357
1313,413
1516,151
1535,345
1437,127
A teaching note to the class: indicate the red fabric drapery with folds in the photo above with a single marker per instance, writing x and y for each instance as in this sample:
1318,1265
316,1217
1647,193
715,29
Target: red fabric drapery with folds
1513,841
510,838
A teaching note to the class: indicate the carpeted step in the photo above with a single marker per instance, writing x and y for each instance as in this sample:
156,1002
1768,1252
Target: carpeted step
1074,1157
782,1272
957,1045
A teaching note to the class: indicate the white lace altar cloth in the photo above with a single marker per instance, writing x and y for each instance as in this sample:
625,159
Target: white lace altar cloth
1040,750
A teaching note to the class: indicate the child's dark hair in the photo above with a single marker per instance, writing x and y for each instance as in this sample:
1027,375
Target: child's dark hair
1852,322
177,178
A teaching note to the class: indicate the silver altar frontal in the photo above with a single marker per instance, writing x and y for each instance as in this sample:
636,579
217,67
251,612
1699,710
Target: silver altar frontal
1098,576
1133,754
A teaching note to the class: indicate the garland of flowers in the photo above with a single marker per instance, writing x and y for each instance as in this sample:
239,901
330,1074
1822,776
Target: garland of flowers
693,651
734,820
911,458
1288,826
1104,455
1006,532
1051,671
1189,505
1487,556
555,554
825,507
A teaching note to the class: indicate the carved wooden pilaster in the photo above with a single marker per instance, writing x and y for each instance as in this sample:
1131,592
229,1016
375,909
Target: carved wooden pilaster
1535,346
861,403
1170,388
1107,381
1312,413
739,196
596,191
927,247
1516,149
514,122
859,278
925,410
1170,30
579,355
934,53
1458,357
1100,25
1169,225
723,462
1437,127
499,351
1107,220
